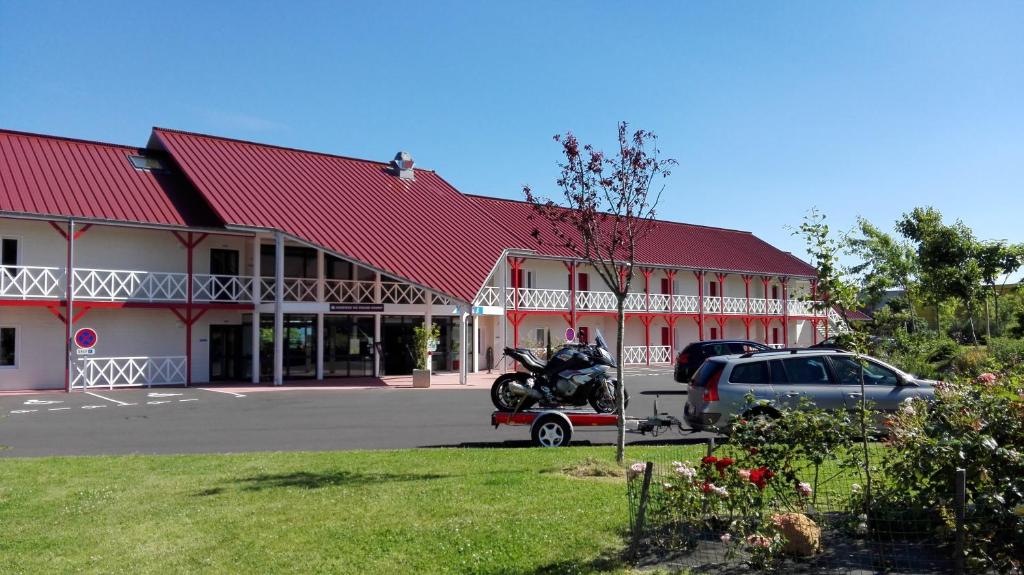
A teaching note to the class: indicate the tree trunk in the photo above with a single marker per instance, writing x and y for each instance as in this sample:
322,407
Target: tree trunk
988,321
620,389
970,322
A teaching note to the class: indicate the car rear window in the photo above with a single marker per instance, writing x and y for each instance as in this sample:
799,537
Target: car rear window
707,369
714,349
753,372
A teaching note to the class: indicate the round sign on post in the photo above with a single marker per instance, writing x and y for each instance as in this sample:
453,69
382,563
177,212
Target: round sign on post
85,338
570,334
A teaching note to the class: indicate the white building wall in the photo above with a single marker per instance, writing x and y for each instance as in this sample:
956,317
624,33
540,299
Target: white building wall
39,349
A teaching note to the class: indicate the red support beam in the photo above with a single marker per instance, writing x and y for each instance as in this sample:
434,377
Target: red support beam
785,311
700,305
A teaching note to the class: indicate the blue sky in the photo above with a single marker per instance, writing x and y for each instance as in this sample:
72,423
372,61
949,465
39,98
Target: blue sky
770,108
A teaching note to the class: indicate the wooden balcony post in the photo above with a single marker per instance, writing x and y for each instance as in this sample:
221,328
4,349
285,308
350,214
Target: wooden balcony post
700,305
278,308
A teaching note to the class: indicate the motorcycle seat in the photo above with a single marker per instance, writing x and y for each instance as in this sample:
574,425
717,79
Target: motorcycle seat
529,360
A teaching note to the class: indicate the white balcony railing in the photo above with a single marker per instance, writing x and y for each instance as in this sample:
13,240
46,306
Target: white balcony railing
295,289
111,372
659,301
348,291
122,285
638,354
399,293
488,296
595,301
209,288
685,303
530,298
712,305
26,282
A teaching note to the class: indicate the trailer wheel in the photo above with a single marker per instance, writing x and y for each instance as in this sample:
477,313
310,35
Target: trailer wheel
551,430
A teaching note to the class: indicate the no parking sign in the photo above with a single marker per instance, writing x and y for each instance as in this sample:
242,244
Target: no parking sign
85,338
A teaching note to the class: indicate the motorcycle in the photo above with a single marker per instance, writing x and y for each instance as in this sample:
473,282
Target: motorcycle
576,374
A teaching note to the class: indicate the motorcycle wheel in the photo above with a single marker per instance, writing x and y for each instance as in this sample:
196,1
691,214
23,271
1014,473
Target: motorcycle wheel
606,403
503,398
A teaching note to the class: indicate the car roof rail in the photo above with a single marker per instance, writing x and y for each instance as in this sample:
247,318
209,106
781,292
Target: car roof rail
794,351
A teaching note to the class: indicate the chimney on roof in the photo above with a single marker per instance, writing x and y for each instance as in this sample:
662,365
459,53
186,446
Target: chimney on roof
403,163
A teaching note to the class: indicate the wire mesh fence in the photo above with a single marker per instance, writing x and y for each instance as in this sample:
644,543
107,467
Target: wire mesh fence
695,518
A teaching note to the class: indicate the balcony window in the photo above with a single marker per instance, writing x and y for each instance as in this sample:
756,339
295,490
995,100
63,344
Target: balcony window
8,355
8,252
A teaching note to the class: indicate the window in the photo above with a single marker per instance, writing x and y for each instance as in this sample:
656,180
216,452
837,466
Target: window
775,292
8,355
666,287
583,334
8,252
778,372
713,287
775,335
754,372
806,370
524,278
848,372
666,338
542,336
714,333
717,349
147,163
584,283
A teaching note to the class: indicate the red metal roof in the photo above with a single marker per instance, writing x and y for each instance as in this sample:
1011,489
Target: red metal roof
52,176
423,231
668,243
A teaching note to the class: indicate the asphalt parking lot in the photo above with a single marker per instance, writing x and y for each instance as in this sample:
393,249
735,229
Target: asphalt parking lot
220,420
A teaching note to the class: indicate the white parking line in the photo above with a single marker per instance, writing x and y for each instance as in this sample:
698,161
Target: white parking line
24,410
222,391
58,408
156,402
108,399
190,399
92,406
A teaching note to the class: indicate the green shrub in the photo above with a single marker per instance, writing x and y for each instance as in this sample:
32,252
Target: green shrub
970,361
1007,352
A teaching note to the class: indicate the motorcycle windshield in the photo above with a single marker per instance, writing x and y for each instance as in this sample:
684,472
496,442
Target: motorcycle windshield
599,340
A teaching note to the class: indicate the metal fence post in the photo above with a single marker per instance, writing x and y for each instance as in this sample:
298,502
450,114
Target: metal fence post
711,446
961,514
641,514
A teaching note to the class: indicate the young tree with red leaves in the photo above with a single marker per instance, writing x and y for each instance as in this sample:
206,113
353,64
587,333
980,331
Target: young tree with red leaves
607,208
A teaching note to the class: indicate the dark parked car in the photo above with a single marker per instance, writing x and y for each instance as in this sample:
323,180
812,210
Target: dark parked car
693,355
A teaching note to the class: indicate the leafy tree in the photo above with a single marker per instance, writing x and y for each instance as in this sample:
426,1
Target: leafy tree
997,259
886,263
840,291
606,209
948,258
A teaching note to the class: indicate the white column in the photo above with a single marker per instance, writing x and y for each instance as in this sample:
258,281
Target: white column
428,323
257,286
278,308
376,324
503,340
464,353
476,343
320,273
320,346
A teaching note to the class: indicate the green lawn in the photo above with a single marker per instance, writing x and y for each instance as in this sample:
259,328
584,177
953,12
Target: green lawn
418,511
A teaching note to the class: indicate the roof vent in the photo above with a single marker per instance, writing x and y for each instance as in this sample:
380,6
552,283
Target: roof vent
403,163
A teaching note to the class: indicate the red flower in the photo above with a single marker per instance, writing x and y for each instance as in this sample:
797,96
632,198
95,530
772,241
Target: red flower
706,488
709,460
760,476
753,451
724,462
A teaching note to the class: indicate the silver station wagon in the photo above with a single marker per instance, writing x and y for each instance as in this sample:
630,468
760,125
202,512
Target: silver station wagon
781,378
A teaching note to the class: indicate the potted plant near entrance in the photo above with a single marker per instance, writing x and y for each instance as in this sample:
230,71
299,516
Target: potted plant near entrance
426,342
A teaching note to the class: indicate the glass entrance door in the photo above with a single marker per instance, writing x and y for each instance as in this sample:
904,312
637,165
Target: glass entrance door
299,345
227,358
348,346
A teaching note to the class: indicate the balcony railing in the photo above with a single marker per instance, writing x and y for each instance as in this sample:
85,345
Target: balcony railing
209,288
26,282
558,300
638,354
111,372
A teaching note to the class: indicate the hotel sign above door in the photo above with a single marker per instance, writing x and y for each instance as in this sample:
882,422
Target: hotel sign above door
357,307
